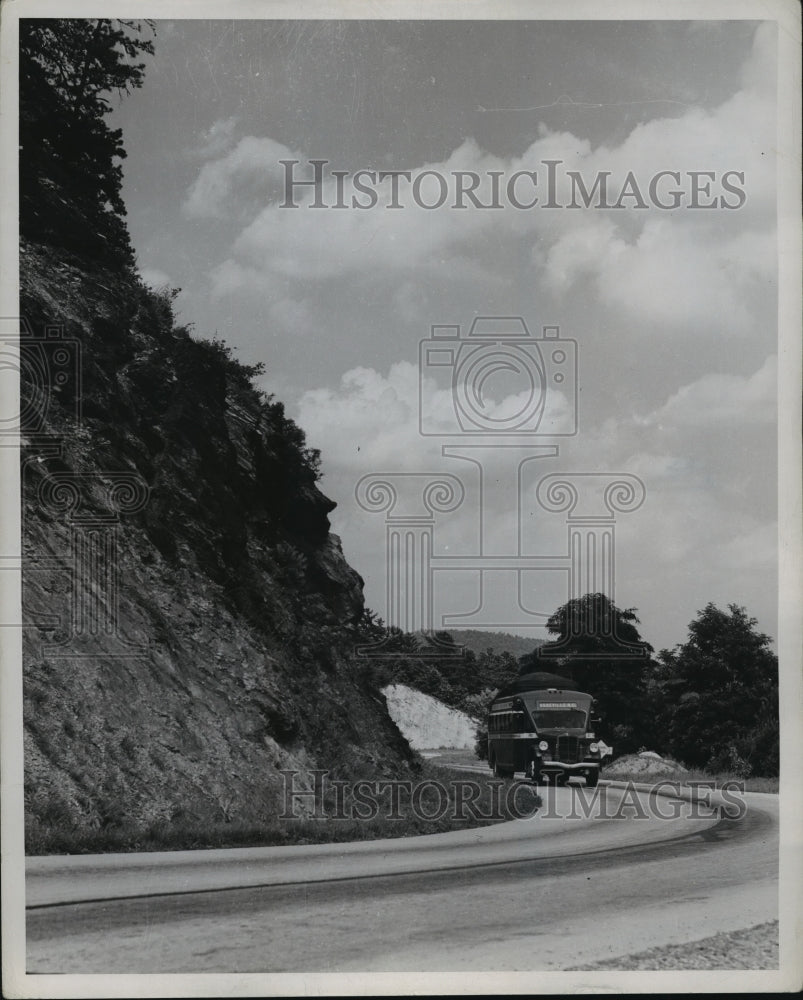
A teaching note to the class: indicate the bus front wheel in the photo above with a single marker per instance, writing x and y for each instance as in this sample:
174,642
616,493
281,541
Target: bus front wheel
502,772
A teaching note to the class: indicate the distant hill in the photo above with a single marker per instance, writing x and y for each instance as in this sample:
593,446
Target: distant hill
462,677
500,642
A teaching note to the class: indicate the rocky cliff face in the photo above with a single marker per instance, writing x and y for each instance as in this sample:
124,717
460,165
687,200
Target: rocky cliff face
190,619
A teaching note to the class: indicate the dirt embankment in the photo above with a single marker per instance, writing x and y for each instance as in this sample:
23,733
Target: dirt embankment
642,766
753,948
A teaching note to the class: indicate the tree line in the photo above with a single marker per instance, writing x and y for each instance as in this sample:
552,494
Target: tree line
711,702
70,174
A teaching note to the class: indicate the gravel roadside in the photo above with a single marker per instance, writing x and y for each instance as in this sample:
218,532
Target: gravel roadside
753,948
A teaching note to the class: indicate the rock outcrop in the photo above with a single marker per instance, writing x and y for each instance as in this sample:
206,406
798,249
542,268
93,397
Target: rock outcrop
427,723
190,619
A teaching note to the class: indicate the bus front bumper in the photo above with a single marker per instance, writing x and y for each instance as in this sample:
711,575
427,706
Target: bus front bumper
558,767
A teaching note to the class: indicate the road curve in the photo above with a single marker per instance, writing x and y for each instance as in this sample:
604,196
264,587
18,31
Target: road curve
560,828
548,892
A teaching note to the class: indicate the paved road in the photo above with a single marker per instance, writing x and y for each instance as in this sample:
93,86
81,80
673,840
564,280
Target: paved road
544,893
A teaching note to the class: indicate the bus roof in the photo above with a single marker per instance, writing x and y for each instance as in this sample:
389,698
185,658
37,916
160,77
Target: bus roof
536,681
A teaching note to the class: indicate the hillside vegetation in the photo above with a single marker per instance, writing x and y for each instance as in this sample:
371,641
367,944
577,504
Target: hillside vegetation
227,574
190,618
479,641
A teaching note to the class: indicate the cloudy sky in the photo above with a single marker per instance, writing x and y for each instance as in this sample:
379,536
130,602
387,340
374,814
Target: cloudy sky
674,312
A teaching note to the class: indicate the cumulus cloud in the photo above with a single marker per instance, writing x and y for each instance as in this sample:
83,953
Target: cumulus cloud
407,415
216,139
645,278
155,277
669,274
698,517
760,71
230,277
723,400
661,248
368,419
251,170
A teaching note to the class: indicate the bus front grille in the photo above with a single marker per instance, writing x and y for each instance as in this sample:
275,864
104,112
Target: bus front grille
569,749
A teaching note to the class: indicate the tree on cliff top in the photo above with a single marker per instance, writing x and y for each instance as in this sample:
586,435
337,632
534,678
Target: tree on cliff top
598,646
70,177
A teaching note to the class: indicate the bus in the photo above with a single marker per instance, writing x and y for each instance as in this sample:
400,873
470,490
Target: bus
542,725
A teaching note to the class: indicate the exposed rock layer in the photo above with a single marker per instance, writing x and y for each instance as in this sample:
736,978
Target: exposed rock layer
426,722
206,639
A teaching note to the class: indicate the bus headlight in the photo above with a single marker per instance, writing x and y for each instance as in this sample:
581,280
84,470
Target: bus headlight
594,748
543,745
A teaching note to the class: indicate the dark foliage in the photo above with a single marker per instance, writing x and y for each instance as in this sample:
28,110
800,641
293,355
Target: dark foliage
70,177
435,665
598,646
716,695
161,401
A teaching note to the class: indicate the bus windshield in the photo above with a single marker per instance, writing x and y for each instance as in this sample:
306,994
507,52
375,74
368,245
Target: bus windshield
560,718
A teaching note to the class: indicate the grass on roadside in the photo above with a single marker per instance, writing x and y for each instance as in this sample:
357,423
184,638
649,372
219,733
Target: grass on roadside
444,800
754,784
685,777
